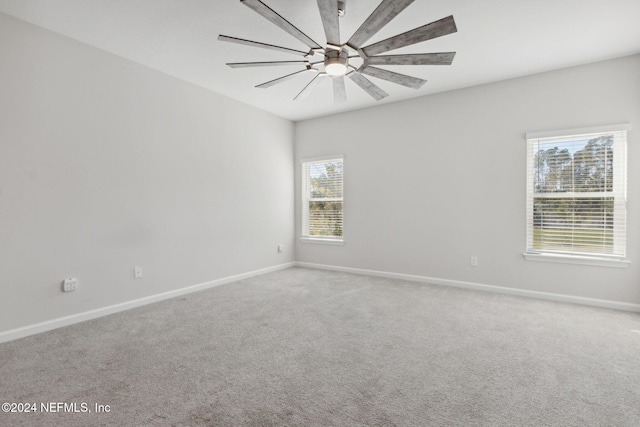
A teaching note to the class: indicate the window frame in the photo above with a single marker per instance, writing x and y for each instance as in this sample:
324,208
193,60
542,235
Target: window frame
619,193
305,200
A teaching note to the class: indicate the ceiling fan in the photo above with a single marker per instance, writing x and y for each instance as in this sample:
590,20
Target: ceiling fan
337,58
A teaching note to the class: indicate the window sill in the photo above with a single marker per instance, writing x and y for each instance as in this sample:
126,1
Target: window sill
576,259
320,241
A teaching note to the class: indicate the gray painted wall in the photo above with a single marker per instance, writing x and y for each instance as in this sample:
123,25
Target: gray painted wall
106,165
423,191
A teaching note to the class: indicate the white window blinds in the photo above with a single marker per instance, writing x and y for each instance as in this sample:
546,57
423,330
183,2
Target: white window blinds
576,192
322,198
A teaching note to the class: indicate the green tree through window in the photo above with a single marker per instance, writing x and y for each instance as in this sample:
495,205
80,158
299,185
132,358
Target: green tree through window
322,199
577,195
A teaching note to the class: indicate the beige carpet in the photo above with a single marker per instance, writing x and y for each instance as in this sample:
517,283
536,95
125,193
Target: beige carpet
307,347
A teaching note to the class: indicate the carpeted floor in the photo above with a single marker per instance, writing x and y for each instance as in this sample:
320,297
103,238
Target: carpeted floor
308,347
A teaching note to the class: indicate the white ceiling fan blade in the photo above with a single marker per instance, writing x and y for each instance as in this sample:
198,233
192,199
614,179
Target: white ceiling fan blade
441,58
264,10
385,12
280,79
263,64
339,90
401,79
368,86
329,14
304,93
427,32
236,40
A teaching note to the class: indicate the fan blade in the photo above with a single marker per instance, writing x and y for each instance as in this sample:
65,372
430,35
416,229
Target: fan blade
401,79
339,90
262,45
329,14
368,87
442,58
426,32
262,64
385,12
280,79
278,20
304,93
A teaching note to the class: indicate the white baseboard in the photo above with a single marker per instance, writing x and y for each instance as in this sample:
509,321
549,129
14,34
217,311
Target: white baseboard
24,331
480,287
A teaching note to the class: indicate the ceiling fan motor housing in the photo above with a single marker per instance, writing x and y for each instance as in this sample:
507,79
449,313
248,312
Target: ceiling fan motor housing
336,62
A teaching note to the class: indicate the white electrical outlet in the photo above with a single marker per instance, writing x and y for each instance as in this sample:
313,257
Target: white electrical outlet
137,272
69,285
474,261
280,247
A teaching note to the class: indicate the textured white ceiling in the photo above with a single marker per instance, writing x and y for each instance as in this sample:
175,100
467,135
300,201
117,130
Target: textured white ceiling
496,40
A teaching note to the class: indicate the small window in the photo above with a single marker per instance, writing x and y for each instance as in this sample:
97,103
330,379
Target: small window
576,193
322,200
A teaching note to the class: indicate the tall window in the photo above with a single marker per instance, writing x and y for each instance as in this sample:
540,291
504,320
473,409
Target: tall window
322,199
576,193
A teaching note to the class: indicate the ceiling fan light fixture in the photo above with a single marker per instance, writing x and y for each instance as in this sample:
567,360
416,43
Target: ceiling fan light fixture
335,63
336,69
